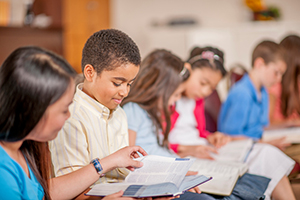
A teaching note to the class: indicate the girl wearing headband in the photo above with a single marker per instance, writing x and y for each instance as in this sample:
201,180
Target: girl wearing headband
189,136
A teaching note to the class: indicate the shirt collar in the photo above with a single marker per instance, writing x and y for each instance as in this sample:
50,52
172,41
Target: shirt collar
254,93
91,103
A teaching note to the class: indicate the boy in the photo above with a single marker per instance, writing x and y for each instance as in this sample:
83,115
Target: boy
246,110
97,126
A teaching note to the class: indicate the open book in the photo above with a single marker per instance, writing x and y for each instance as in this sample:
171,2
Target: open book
159,176
292,134
225,175
227,167
236,151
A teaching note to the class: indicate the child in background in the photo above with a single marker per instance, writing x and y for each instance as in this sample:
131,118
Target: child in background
160,83
246,109
285,96
36,88
158,86
189,137
206,69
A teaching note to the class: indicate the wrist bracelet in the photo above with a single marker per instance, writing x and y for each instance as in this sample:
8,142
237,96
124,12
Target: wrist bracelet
97,166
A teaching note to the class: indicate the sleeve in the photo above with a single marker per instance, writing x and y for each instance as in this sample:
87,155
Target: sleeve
174,117
10,185
234,114
156,149
174,147
69,150
146,137
134,115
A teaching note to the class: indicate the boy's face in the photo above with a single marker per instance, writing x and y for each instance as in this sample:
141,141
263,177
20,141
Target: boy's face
272,73
111,87
202,82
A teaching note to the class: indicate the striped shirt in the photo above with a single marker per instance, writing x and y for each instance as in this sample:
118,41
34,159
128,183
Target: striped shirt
90,132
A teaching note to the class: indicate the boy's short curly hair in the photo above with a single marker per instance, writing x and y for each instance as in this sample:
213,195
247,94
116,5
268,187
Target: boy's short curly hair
107,49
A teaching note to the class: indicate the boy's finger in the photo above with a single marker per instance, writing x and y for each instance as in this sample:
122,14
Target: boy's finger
190,173
136,164
141,150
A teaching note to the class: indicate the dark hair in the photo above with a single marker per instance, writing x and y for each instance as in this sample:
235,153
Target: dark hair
198,59
31,79
269,51
290,96
108,49
160,75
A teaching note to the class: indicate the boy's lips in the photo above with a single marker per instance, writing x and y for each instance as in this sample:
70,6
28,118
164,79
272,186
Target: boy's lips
118,101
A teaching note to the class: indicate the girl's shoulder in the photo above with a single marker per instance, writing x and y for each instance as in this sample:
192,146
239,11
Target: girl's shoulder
134,108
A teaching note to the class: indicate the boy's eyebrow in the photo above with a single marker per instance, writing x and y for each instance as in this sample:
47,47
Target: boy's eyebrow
123,79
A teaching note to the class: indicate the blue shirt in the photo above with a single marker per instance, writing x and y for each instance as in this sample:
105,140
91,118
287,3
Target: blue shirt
244,112
140,122
14,182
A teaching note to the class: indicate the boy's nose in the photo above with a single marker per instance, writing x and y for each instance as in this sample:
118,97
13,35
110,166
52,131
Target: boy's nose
124,91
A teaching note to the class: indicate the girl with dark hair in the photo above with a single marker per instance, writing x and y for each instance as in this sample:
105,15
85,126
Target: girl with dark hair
36,88
157,87
285,96
189,136
206,69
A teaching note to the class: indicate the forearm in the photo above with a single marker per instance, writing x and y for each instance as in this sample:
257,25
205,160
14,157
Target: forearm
71,185
185,150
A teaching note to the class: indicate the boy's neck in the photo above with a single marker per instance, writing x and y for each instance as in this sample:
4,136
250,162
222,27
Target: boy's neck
255,78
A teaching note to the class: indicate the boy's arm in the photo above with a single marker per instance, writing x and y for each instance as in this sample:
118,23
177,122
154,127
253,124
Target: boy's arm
69,151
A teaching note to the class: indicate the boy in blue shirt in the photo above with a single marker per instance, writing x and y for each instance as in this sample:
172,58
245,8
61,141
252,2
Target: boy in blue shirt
246,110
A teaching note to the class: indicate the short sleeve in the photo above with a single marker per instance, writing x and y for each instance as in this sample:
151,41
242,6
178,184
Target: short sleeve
135,115
234,113
9,183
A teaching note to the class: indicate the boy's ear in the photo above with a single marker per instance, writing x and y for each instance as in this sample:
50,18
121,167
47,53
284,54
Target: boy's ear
89,72
259,62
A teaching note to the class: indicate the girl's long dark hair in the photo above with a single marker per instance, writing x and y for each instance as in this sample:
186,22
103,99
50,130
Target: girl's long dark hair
290,95
157,80
31,79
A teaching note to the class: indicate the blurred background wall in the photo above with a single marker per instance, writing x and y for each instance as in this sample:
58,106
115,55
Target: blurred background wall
177,25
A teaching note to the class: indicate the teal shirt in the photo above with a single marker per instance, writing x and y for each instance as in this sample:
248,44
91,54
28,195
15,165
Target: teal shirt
14,183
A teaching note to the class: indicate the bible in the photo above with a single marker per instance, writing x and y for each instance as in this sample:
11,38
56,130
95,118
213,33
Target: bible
159,176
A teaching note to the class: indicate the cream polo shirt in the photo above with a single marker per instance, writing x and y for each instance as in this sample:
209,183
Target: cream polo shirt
90,132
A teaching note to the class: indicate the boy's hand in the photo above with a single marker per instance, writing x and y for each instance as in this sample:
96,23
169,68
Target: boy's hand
123,158
218,139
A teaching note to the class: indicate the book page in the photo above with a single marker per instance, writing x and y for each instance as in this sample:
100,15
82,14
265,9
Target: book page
234,151
224,175
104,189
159,169
292,134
